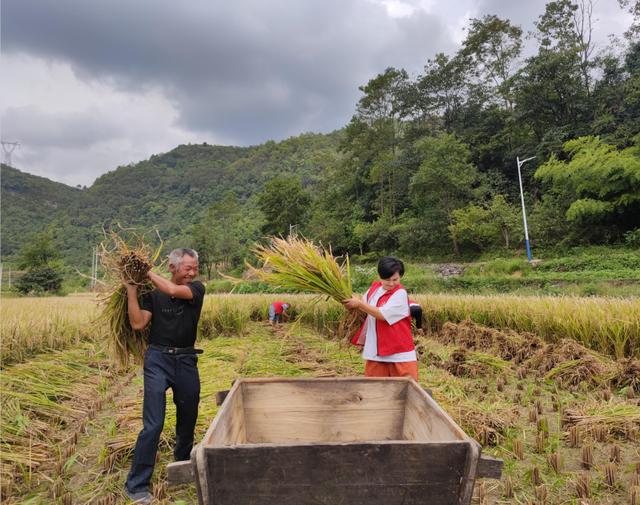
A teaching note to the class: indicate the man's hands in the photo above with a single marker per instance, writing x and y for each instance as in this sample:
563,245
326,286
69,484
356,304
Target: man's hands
169,288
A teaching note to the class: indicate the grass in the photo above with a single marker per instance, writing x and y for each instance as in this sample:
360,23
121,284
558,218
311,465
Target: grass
592,271
96,465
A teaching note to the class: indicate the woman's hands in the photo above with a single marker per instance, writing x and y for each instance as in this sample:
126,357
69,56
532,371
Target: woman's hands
353,303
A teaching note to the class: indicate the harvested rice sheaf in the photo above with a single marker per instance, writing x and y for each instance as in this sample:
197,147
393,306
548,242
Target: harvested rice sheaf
571,364
593,415
487,423
463,363
507,344
627,375
126,258
298,264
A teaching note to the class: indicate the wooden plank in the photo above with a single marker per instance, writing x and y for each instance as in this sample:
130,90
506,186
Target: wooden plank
425,421
490,468
469,476
228,427
179,472
198,462
317,394
390,473
323,411
339,425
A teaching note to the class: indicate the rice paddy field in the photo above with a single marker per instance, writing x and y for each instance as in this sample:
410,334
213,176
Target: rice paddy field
549,385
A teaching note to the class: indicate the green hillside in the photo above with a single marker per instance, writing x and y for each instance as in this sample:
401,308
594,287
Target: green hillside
29,203
169,192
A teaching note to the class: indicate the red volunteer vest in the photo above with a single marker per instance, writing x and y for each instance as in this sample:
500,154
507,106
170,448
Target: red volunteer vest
278,307
392,338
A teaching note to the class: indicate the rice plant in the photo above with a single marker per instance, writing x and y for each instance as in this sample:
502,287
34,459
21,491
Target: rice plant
33,325
608,325
300,265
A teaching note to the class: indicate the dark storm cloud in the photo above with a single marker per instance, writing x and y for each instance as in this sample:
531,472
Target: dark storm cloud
242,71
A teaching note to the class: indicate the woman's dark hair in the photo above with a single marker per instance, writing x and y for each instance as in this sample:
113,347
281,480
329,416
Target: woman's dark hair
389,265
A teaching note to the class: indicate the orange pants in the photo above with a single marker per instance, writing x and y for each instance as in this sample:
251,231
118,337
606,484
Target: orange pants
381,369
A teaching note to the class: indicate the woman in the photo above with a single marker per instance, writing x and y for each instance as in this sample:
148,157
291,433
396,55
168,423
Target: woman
386,338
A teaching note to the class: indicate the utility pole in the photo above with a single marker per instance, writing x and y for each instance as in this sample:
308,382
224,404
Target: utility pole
94,268
524,212
8,148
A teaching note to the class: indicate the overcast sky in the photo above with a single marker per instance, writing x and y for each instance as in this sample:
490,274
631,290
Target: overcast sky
88,85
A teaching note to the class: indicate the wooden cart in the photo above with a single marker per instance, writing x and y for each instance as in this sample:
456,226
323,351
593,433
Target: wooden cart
333,441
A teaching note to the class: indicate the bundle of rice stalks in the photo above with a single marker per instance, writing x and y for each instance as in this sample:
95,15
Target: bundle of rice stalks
297,264
487,423
126,258
628,374
587,370
463,363
507,344
615,419
571,364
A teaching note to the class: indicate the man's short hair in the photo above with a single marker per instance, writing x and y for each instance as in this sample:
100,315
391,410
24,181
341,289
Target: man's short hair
389,265
176,256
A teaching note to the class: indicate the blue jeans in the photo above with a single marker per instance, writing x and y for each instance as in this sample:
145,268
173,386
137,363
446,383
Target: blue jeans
161,372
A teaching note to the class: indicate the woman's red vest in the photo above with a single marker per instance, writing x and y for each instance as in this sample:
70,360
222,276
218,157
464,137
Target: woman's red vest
392,338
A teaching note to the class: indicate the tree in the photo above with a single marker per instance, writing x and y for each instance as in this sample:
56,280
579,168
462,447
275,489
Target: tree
441,92
445,181
41,259
284,202
493,45
600,184
485,226
224,234
374,139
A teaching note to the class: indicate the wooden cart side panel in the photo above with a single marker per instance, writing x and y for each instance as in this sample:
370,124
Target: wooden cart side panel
425,421
331,474
470,470
320,394
228,427
318,411
200,473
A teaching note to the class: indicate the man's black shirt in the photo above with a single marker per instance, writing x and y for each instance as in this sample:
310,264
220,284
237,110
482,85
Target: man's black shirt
175,321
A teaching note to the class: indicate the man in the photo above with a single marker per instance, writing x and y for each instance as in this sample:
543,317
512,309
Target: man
278,312
173,309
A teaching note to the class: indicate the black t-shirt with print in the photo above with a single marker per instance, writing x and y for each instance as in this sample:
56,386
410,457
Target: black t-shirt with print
175,321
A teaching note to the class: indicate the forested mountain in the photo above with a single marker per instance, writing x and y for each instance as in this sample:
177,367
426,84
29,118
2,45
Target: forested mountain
425,167
170,192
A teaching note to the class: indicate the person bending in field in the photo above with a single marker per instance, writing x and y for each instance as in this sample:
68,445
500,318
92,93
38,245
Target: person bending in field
385,335
278,312
173,310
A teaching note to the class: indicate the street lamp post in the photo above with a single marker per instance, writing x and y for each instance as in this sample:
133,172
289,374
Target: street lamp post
524,212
